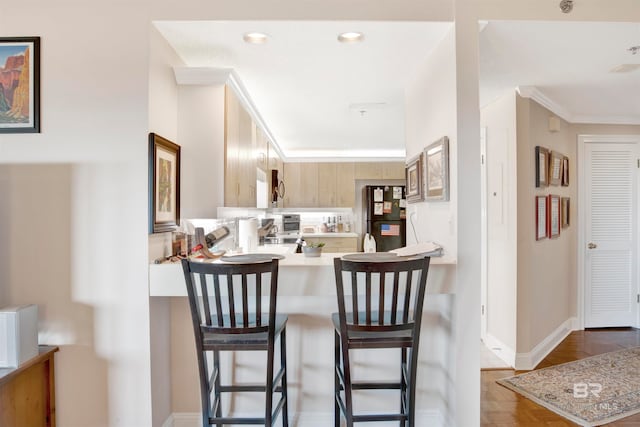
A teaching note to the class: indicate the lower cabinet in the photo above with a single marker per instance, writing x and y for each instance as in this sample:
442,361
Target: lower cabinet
335,244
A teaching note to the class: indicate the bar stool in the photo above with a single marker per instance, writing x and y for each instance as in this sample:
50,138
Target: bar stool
226,310
386,312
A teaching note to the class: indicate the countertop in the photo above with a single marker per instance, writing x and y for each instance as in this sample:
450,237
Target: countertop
298,274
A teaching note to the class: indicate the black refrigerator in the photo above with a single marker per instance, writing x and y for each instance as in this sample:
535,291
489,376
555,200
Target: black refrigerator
385,215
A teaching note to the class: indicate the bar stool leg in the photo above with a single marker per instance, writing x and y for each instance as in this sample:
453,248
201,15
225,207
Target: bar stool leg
216,385
283,366
346,370
412,388
336,379
403,385
269,388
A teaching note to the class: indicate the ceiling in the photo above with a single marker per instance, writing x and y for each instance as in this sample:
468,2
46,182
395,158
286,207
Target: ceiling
322,98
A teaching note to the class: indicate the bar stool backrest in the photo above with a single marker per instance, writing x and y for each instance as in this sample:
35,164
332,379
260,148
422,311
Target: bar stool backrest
227,298
381,296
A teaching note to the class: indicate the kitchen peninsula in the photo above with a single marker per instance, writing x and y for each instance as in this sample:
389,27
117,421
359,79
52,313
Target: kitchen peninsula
306,292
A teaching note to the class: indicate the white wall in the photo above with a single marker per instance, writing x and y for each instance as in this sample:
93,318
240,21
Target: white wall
499,118
431,114
163,120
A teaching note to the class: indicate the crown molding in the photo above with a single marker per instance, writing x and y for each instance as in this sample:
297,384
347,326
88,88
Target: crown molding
203,76
537,95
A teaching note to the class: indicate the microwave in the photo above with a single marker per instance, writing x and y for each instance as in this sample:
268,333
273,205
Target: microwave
290,222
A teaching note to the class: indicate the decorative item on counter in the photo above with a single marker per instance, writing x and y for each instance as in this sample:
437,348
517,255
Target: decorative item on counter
201,250
369,244
300,242
216,236
312,249
324,227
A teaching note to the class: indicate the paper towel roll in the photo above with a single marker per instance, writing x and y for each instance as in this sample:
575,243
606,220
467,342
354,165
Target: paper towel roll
248,234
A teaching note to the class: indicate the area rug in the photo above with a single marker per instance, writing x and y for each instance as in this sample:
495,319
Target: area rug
590,392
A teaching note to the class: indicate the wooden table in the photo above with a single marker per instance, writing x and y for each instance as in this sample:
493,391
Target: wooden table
27,393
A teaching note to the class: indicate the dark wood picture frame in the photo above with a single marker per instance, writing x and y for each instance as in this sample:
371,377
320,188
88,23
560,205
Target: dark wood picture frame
414,175
565,171
553,216
541,217
164,184
542,166
436,166
20,100
555,168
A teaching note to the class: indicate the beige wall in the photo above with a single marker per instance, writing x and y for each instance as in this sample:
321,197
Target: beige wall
499,119
546,268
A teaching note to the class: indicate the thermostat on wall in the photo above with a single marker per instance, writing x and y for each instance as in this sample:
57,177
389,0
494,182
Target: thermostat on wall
18,335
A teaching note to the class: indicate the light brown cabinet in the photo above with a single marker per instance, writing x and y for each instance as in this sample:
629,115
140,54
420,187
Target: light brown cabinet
332,184
335,244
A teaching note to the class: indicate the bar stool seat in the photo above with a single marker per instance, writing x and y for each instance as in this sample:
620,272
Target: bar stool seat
260,340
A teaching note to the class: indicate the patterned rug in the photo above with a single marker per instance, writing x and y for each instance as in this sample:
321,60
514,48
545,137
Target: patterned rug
590,392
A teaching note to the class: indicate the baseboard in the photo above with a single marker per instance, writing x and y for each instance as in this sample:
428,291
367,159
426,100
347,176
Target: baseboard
528,361
431,418
500,349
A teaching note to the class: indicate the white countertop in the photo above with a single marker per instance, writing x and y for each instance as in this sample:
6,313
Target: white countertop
298,275
328,235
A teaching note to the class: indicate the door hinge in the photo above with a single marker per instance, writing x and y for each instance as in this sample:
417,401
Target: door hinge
483,310
638,298
482,160
638,163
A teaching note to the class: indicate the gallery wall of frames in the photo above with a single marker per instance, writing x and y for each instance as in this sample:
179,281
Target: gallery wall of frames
552,211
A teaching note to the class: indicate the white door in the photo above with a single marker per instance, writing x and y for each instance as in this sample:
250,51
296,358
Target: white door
610,233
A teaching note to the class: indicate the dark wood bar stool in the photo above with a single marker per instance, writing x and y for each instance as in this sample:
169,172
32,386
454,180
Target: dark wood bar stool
386,311
226,309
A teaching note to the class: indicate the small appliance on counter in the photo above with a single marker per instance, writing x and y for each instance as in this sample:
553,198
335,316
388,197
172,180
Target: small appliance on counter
291,223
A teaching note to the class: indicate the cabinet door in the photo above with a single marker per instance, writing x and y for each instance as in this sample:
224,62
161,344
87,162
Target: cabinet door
232,149
261,150
368,170
393,170
301,180
327,179
247,178
345,188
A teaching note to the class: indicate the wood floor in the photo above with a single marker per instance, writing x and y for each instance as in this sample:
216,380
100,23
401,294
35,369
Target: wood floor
501,407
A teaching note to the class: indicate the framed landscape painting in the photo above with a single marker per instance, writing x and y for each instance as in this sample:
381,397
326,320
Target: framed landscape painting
19,84
437,170
164,184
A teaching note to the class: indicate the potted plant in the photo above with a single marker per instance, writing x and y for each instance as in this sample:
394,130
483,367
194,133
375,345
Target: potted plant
312,249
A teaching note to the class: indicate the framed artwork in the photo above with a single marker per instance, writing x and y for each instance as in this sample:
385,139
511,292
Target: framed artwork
553,216
555,168
542,162
413,173
19,84
565,212
164,184
437,170
565,171
541,217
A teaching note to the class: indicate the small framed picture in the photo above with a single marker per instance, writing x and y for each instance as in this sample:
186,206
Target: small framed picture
541,217
542,162
555,168
565,171
413,173
20,85
164,184
553,216
437,170
565,212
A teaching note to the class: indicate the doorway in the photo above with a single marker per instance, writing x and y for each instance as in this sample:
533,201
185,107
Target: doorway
608,290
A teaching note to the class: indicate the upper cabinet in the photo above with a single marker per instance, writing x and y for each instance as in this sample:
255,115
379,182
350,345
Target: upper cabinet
240,157
332,184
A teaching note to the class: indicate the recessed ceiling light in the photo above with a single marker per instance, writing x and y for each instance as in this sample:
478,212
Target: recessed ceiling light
255,38
350,37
